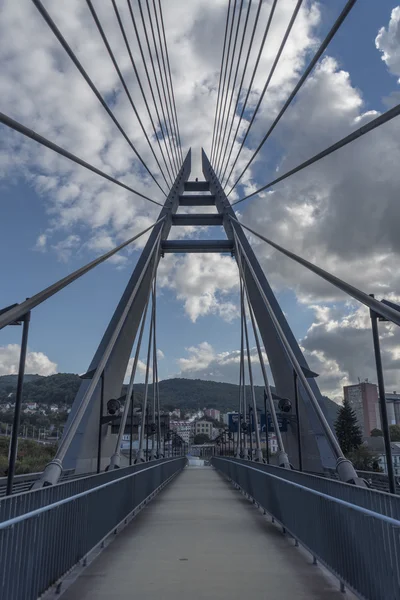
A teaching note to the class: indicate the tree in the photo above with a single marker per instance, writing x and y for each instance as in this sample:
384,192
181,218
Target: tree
363,459
201,438
347,429
376,432
394,433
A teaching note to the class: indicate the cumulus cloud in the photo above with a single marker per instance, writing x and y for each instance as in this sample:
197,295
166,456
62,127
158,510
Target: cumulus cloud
37,363
140,371
203,362
206,283
388,42
42,88
341,213
338,346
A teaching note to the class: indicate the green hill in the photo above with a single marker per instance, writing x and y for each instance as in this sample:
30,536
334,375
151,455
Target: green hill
174,393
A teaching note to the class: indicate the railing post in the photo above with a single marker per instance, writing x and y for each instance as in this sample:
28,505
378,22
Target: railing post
18,403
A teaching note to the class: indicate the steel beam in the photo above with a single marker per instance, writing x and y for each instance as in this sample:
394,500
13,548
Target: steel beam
318,454
197,200
197,246
82,452
197,219
197,186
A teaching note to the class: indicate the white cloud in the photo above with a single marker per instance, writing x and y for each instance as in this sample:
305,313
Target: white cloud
41,242
66,247
203,362
388,42
42,88
204,282
37,363
140,371
338,346
160,354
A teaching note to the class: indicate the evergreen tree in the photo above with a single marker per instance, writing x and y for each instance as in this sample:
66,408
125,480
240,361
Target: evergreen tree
394,433
347,429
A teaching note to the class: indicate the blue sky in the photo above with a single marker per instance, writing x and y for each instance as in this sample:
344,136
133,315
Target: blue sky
68,327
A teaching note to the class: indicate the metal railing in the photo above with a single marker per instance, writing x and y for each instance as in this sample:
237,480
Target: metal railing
37,548
358,545
19,504
23,483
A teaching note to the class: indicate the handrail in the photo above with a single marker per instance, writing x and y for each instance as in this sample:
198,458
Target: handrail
42,509
361,509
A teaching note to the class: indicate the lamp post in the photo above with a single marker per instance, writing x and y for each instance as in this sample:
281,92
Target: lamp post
131,432
18,402
382,396
251,420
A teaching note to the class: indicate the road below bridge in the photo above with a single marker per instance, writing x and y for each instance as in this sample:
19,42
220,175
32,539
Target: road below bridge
201,539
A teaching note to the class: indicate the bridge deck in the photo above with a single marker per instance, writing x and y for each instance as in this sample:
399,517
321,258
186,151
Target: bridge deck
201,539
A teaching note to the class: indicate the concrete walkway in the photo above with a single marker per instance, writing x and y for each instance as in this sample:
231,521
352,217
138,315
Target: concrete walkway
200,539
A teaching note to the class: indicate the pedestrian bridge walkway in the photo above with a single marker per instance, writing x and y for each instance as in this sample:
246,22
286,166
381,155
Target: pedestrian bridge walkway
201,539
237,529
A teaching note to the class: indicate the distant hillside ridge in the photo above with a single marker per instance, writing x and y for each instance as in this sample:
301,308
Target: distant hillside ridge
174,393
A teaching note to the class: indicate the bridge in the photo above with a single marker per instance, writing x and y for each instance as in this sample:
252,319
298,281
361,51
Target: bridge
100,523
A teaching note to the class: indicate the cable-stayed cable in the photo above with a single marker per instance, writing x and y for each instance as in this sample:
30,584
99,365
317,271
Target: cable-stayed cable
167,81
128,48
271,14
303,78
377,122
223,145
240,92
12,124
220,80
223,118
123,82
217,140
160,123
170,77
84,74
173,155
272,71
162,82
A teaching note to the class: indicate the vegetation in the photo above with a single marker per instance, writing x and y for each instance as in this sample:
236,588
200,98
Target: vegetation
56,389
347,429
376,432
191,394
394,433
31,457
364,459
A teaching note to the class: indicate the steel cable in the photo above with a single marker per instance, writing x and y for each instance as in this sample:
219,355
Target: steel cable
160,124
84,74
220,80
128,48
225,120
240,92
346,10
271,14
272,71
217,140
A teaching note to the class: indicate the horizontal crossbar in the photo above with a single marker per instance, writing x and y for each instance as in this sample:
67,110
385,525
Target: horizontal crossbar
197,186
197,219
197,246
197,200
